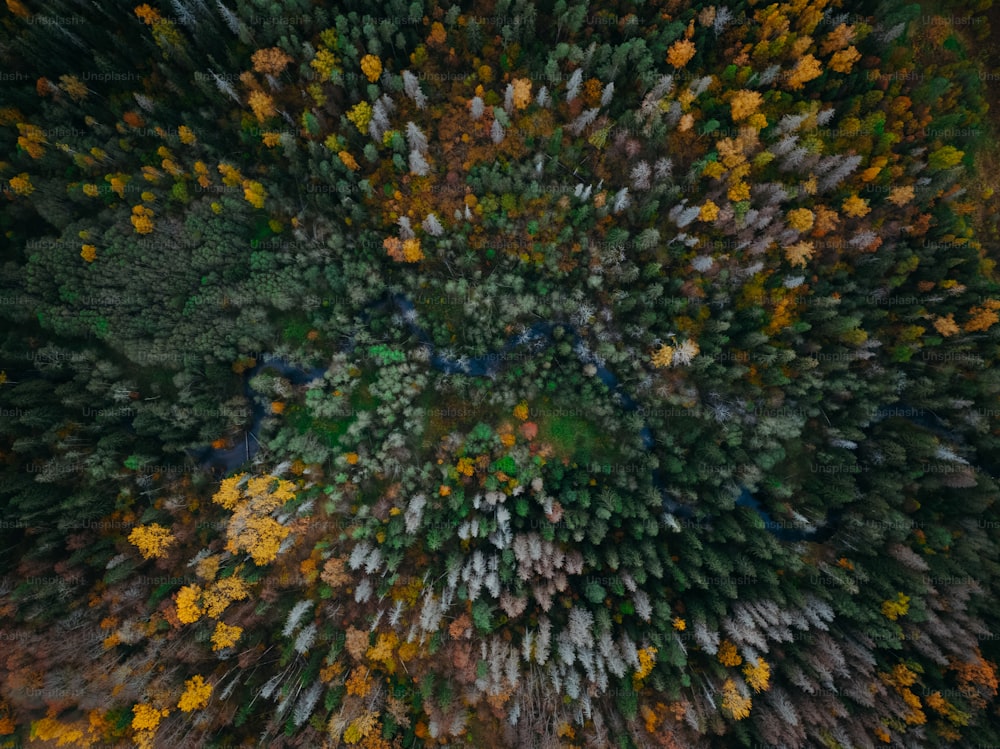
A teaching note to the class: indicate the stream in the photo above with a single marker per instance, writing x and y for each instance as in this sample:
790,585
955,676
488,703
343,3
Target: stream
225,461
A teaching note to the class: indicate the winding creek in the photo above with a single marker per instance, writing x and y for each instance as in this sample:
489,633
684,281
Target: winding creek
228,460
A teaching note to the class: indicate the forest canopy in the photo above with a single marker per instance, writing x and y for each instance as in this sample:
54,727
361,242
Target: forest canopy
515,373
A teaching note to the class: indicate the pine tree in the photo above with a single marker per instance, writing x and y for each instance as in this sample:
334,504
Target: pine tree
573,85
411,85
432,226
415,138
418,164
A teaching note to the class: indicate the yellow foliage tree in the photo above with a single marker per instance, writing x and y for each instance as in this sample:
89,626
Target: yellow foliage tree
783,315
250,528
647,660
78,733
142,219
757,675
358,683
151,540
709,211
856,207
208,567
73,86
262,105
801,219
738,191
225,636
196,694
230,175
335,573
164,31
727,655
799,253
731,152
713,169
147,14
371,66
171,167
217,596
945,157
407,251
943,707
651,721
361,728
438,36
261,537
663,356
826,221
946,326
565,731
348,160
117,182
147,718
229,494
893,609
902,678
839,38
807,69
733,702
680,53
31,139
324,64
189,604
983,317
843,61
383,649
900,196
522,92
360,115
270,61
254,193
411,250
744,104
21,184
89,253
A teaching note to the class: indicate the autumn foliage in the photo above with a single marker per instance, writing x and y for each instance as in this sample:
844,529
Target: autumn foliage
619,376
